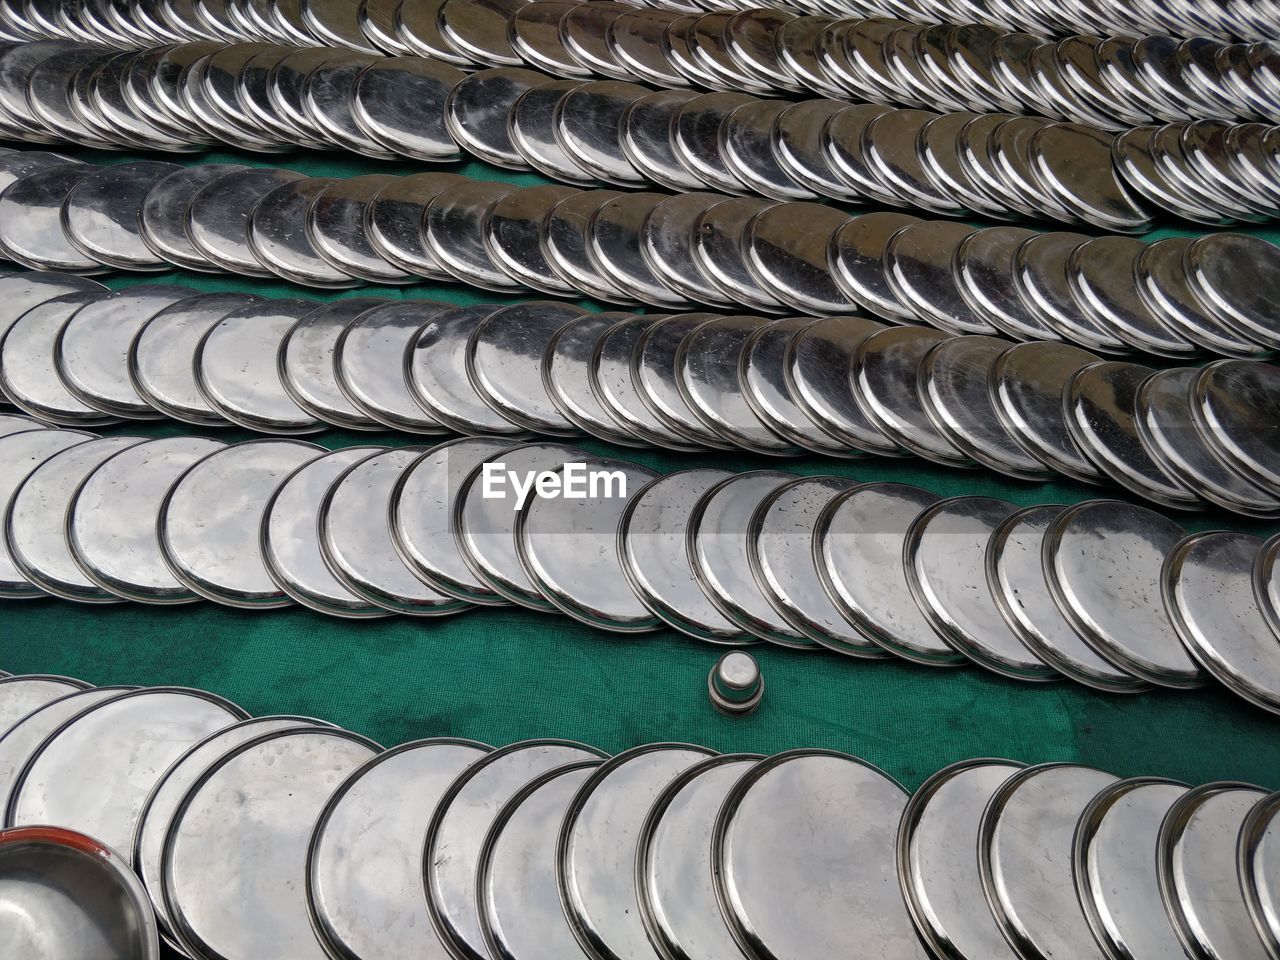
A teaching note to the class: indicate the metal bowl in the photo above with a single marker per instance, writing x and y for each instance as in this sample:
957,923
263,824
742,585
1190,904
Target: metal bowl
64,896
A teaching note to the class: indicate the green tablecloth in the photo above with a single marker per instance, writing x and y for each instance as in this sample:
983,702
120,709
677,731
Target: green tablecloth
504,675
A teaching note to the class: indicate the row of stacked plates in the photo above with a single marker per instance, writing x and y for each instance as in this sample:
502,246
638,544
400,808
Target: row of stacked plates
289,837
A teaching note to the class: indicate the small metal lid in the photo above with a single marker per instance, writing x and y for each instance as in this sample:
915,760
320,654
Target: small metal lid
417,27
30,220
785,822
646,139
984,277
566,372
1258,865
535,36
512,235
210,520
291,537
162,216
1017,581
952,384
479,30
94,773
519,905
598,843
390,797
531,123
112,520
655,555
1024,855
797,141
218,859
237,372
1109,590
435,369
369,359
615,248
1040,277
1207,584
944,555
327,96
884,379
735,685
504,363
421,514
638,41
395,221
463,817
786,251
638,380
568,544
937,866
1114,864
719,252
780,547
39,549
1099,402
746,145
717,545
362,554
1073,164
484,520
1197,866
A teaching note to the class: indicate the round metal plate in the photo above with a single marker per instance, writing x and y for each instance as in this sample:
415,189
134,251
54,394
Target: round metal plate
1024,854
162,216
1233,403
1114,864
717,545
1040,277
479,29
512,236
39,549
1103,562
147,847
944,555
598,840
674,872
21,454
435,369
28,373
884,378
466,812
453,230
952,384
291,537
211,518
1099,402
112,520
1258,864
504,363
369,363
780,546
21,695
278,245
1017,581
532,129
785,822
216,860
746,145
984,276
637,378
938,863
395,221
476,112
400,104
101,215
1162,414
587,121
1208,591
655,555
162,355
566,371
483,526
364,883
421,515
94,773
569,547
647,141
520,911
786,251
858,541
718,252
306,363
1196,864
30,220
237,372
217,217
362,554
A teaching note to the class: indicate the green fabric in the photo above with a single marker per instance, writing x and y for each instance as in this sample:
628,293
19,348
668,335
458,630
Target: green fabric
503,675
